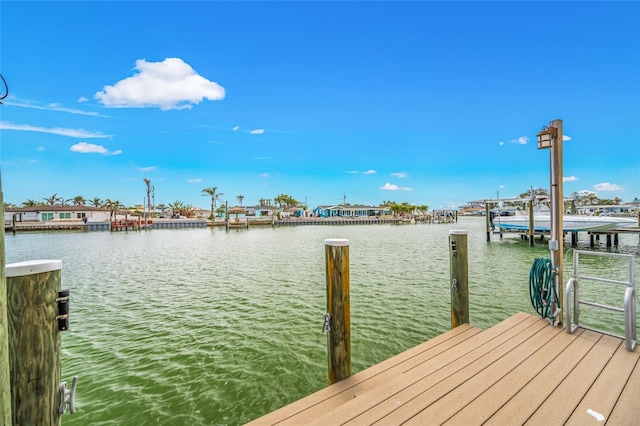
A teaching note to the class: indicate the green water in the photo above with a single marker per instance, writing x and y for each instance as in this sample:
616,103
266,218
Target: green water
202,327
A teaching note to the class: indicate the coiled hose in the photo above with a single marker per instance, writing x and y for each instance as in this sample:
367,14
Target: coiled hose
542,289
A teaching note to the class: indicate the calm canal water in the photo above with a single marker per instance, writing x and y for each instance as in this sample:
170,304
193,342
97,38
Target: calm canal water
202,327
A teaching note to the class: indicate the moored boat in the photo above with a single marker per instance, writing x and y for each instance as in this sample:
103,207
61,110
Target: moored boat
570,223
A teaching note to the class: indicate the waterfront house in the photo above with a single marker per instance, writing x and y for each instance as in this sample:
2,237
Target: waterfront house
56,213
261,211
351,211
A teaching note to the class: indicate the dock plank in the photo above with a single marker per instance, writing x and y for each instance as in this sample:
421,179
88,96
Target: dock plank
559,406
378,403
478,377
525,403
627,409
499,393
605,391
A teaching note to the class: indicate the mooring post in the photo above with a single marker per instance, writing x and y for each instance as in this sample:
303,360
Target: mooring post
34,341
459,277
338,309
532,236
487,220
5,384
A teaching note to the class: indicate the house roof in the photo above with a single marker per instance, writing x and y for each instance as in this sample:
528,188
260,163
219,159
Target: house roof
57,208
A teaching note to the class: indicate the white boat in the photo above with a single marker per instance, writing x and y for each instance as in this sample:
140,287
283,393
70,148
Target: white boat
623,222
570,223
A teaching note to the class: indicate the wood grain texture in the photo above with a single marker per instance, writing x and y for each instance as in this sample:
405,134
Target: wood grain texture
338,307
34,348
5,387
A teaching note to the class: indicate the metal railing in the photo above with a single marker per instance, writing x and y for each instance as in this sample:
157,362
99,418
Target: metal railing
629,308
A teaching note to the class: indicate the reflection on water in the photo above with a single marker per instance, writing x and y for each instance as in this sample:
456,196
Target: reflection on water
201,326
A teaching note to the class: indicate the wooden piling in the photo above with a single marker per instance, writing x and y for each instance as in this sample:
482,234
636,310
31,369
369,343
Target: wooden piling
338,308
34,341
5,383
487,217
574,239
532,236
459,277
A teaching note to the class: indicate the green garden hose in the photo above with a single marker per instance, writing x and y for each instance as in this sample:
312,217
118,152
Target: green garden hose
542,287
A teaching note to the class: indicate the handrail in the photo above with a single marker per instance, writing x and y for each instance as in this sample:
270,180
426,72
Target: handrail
629,309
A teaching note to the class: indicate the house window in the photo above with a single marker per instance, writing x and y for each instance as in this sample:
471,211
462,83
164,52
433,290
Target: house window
47,217
66,215
82,215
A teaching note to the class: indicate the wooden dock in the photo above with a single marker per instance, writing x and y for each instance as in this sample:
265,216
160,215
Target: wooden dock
520,371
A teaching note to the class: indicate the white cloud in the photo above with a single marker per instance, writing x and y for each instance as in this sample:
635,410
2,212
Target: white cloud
53,107
501,143
501,187
566,137
147,169
170,84
391,187
352,172
264,175
217,142
606,186
73,133
261,158
82,99
369,172
89,148
399,175
256,131
522,140
40,148
197,180
569,179
236,128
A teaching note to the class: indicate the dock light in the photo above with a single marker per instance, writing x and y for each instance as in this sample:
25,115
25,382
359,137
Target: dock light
545,136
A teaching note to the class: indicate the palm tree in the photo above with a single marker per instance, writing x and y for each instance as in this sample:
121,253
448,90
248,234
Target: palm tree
53,200
162,208
148,183
176,207
114,207
96,202
31,203
188,211
214,198
79,200
240,198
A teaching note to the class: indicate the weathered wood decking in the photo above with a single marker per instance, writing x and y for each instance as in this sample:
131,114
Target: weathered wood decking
521,371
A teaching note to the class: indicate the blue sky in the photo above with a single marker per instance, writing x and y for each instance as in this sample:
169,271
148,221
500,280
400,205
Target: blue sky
433,103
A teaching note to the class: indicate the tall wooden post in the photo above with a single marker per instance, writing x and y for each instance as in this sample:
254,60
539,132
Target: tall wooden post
338,308
5,383
487,217
531,225
226,215
34,341
459,277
